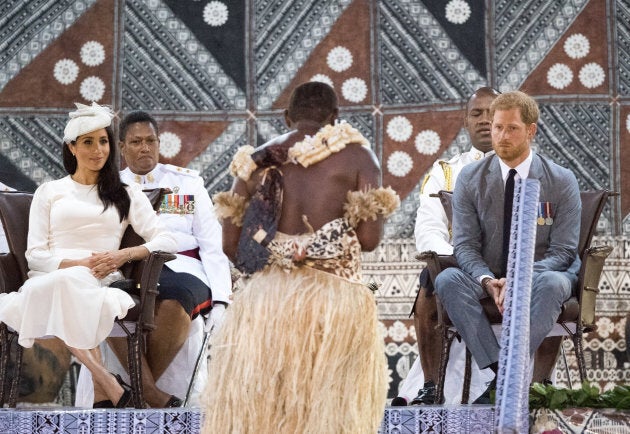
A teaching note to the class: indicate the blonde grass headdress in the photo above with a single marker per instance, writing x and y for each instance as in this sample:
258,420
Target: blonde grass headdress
86,119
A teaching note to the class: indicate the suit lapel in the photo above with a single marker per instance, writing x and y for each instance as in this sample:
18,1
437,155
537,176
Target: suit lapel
536,172
495,188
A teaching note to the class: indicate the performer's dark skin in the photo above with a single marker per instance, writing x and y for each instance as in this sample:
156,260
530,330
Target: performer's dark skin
318,191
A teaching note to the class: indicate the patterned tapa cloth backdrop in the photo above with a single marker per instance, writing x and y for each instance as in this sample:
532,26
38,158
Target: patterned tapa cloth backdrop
217,75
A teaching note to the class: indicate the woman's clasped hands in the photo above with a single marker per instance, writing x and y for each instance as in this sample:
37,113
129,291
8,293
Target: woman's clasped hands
103,264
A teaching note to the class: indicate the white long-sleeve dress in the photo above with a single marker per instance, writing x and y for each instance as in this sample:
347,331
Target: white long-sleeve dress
67,221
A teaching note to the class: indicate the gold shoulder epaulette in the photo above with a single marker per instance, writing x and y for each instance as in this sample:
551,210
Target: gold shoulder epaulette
181,170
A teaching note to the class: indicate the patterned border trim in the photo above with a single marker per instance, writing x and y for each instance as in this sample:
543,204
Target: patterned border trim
478,419
153,421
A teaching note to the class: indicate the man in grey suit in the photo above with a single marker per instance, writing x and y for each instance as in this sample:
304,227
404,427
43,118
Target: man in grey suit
478,201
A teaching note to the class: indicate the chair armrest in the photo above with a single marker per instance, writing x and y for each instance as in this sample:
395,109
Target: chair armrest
145,273
436,263
590,273
425,256
10,277
432,260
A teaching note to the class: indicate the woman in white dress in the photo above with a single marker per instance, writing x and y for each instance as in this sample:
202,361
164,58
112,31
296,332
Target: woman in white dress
75,227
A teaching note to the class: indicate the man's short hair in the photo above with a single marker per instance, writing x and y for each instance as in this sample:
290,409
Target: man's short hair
520,100
482,91
133,118
312,101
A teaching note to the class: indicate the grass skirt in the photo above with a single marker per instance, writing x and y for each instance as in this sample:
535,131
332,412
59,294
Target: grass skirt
298,352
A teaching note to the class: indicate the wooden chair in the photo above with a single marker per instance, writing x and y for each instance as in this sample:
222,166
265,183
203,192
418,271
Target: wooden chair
578,313
141,280
14,210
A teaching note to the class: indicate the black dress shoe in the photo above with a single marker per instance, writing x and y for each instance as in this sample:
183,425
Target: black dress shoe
399,401
103,404
173,401
426,395
487,397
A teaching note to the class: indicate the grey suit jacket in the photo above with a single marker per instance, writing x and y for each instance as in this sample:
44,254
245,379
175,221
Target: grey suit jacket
478,218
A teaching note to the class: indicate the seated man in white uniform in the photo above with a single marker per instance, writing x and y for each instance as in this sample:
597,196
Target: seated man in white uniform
195,283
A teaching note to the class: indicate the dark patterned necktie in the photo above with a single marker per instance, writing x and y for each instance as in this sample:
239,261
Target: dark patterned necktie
507,218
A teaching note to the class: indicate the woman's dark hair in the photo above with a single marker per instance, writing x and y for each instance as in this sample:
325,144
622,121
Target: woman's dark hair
111,190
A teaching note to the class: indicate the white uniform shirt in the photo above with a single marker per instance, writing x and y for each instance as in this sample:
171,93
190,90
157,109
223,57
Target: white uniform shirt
4,247
432,230
200,228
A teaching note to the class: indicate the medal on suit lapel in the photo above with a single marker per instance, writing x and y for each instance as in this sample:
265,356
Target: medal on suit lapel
549,213
540,220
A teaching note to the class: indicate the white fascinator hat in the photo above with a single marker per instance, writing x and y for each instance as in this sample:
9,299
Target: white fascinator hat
86,119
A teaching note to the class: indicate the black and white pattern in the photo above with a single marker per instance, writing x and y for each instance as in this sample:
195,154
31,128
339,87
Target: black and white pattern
217,75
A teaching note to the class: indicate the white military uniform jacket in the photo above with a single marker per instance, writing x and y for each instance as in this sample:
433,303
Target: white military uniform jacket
432,231
193,224
4,247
